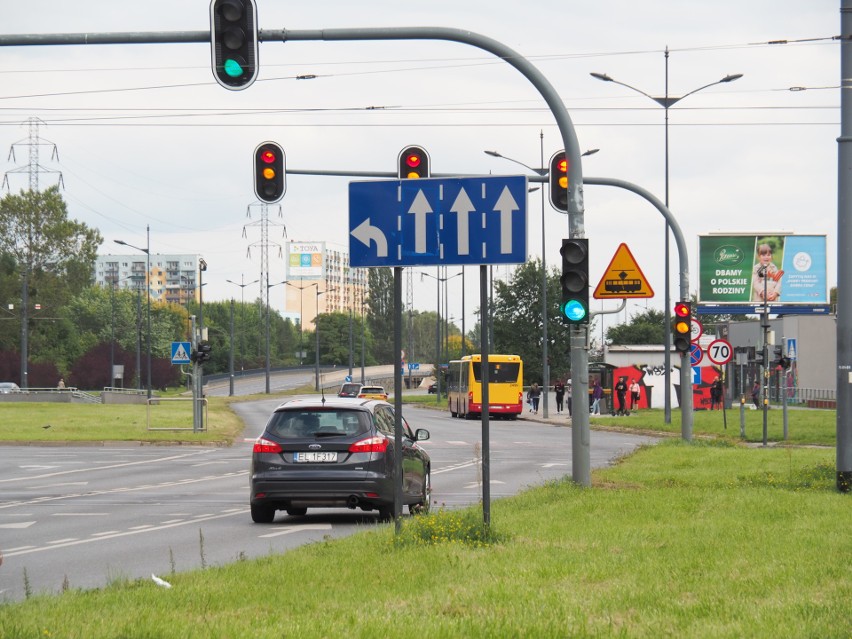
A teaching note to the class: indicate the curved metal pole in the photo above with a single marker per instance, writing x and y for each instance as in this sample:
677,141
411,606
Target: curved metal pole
685,369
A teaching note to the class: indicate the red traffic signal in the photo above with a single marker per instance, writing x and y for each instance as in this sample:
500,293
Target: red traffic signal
558,181
270,180
682,326
413,162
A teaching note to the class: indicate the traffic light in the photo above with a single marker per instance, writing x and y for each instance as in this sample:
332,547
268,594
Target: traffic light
203,353
682,327
413,162
558,176
575,280
270,179
233,42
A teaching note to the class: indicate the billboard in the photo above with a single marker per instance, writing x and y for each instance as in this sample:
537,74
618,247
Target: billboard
305,261
779,269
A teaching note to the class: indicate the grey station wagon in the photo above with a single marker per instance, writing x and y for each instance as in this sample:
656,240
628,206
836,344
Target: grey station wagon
335,453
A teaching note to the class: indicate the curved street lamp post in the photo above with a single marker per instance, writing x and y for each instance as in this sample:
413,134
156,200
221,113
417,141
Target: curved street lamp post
667,101
147,252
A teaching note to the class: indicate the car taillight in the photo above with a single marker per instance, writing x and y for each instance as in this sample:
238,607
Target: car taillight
262,445
377,444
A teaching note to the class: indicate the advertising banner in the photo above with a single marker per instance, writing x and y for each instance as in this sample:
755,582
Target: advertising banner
305,260
776,268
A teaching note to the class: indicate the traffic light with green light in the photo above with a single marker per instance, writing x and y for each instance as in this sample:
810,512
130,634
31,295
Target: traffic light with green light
413,162
233,42
558,179
575,280
682,327
270,179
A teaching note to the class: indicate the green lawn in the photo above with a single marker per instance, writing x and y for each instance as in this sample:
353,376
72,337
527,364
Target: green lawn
708,539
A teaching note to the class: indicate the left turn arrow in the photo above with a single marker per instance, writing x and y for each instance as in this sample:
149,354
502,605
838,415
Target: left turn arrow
366,232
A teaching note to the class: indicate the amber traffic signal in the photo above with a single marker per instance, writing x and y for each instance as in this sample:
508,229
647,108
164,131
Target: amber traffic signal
413,162
682,327
558,179
270,180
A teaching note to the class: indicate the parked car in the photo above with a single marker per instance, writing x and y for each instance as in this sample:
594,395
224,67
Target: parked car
349,389
433,388
373,392
9,387
335,453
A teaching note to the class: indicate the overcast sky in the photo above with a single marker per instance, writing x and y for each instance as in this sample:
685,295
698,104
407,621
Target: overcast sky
145,135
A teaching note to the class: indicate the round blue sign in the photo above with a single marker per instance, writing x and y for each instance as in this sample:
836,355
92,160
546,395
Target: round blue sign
695,354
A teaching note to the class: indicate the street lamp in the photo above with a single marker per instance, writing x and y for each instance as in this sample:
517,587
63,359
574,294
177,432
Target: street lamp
666,102
316,334
301,313
438,279
242,286
268,286
147,252
541,172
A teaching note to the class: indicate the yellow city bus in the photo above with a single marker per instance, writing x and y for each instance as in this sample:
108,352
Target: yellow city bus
505,387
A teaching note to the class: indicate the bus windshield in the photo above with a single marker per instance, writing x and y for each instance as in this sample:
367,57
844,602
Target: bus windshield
498,372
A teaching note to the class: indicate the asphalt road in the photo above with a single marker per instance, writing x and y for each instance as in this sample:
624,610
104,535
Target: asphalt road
85,516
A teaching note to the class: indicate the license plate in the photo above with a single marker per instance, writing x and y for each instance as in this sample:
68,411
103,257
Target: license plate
324,457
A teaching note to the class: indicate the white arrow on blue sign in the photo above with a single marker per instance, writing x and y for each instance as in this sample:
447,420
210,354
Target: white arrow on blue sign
443,221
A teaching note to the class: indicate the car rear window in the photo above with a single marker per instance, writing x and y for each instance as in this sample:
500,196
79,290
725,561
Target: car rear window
350,389
293,424
372,389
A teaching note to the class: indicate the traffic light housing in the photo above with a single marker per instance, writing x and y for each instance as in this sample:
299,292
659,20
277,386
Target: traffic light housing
558,178
233,42
575,280
682,327
270,179
413,162
202,352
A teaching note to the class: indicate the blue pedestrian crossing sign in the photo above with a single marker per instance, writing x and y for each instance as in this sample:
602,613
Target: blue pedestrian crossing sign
180,352
441,221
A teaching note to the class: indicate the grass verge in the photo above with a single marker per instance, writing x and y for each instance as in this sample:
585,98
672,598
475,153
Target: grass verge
688,540
49,422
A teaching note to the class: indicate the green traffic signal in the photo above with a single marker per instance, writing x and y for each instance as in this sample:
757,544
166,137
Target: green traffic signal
574,311
233,68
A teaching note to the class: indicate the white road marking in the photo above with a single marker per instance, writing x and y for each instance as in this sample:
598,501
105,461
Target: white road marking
286,530
26,550
20,525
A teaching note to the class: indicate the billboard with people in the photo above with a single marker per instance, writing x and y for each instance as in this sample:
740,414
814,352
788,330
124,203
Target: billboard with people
778,269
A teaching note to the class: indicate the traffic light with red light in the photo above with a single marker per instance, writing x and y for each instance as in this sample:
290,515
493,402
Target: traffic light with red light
270,180
233,42
682,327
575,280
413,162
558,178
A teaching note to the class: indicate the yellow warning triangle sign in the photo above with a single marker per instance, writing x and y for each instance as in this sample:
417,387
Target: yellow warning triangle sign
623,278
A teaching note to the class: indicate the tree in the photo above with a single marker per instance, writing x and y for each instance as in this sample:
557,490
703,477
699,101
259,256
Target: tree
380,314
49,257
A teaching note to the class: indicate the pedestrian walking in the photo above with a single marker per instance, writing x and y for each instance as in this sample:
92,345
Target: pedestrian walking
569,396
621,396
635,393
559,389
716,394
535,395
755,394
597,396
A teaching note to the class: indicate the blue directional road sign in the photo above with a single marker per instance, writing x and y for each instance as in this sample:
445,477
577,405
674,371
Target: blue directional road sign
180,352
426,222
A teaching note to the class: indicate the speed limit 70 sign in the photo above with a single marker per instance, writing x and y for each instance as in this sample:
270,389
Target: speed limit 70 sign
720,352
